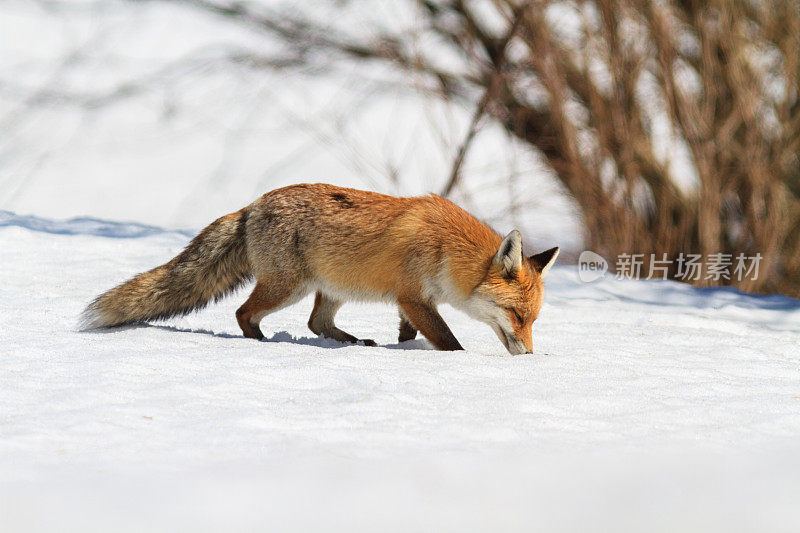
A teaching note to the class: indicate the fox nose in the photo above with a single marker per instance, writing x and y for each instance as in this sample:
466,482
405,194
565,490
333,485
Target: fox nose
529,351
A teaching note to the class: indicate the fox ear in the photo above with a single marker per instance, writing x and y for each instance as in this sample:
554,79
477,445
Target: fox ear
509,255
544,260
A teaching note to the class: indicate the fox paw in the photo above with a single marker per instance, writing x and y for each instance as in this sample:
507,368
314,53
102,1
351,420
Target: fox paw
367,342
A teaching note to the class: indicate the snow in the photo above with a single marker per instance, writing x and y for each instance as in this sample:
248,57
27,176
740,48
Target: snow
645,406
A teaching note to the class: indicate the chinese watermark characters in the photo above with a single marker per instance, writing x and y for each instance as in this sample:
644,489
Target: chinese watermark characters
716,267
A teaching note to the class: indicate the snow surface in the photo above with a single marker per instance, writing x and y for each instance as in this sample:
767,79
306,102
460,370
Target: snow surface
646,406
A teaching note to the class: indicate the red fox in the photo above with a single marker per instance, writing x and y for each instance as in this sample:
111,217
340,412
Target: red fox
345,244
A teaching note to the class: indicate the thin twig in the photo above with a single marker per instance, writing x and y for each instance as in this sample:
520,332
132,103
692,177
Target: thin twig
480,110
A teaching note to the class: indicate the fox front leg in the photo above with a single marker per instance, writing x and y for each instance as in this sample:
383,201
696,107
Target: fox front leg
424,317
407,331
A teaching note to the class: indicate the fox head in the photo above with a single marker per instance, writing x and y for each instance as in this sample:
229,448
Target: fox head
510,296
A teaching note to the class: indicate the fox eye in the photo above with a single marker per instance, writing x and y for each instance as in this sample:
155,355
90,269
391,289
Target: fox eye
516,315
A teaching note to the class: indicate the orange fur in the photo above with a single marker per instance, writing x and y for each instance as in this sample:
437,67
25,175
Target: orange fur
344,244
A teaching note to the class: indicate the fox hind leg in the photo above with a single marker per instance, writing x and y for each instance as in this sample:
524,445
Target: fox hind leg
267,296
321,321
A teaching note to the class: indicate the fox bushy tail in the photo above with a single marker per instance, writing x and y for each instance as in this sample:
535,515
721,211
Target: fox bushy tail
212,265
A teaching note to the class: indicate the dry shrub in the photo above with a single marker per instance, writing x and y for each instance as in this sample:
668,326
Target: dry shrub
716,81
675,125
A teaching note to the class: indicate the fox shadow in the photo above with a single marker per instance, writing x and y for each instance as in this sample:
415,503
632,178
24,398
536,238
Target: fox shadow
285,336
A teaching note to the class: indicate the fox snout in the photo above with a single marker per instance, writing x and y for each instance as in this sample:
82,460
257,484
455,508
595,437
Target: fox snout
514,344
518,346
